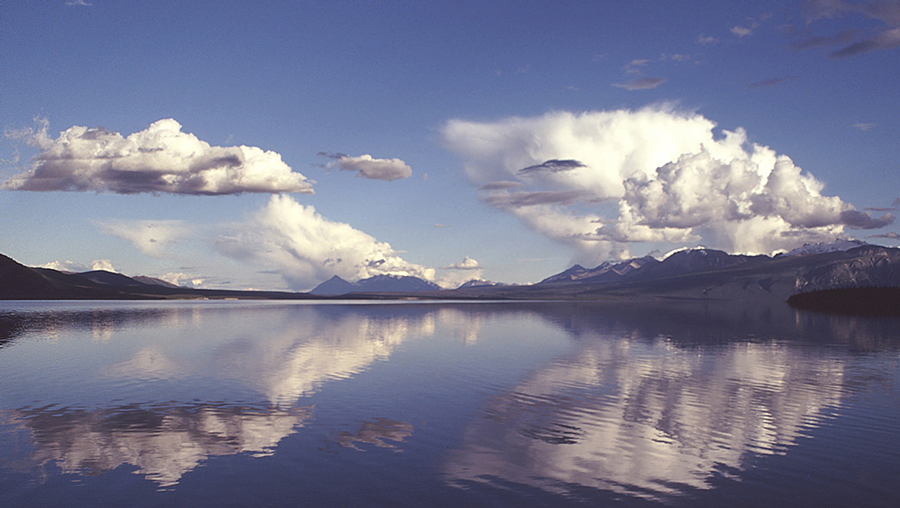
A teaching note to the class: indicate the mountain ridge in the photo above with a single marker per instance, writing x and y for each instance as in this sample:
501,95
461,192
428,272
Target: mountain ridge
384,283
695,274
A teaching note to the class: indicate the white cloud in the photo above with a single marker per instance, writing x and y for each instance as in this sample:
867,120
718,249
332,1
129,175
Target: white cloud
672,177
368,167
306,248
459,273
466,264
103,264
71,266
182,279
159,159
741,31
153,238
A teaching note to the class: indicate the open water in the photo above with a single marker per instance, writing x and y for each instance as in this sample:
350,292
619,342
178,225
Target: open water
240,403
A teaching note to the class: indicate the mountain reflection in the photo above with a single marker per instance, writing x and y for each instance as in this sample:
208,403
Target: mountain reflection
162,443
376,432
649,416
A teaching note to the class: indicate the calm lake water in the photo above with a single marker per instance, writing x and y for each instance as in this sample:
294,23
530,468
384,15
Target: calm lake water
445,404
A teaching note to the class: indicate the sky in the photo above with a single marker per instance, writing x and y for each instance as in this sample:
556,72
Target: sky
273,145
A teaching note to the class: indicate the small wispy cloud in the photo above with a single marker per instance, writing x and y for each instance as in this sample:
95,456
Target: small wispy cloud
501,185
741,31
520,199
641,83
707,39
887,36
766,83
895,205
633,65
74,3
153,238
842,37
864,126
553,166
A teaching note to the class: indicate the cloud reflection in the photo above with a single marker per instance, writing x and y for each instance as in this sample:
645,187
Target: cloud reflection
646,416
162,443
292,355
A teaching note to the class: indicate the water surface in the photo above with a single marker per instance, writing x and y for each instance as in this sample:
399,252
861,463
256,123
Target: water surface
445,404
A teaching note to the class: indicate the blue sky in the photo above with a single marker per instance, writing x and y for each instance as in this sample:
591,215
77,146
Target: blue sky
275,144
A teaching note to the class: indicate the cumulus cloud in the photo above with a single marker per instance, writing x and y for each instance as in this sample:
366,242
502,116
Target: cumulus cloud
368,167
641,83
159,159
306,248
460,273
466,264
182,279
667,174
741,31
885,36
70,266
153,238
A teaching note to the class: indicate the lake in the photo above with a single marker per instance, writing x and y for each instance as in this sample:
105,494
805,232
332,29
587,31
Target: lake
243,403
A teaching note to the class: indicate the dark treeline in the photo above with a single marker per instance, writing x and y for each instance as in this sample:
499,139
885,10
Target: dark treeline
878,301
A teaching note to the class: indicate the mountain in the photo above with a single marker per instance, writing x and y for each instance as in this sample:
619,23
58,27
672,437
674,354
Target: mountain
688,275
153,281
109,278
333,286
479,283
607,272
706,274
20,282
838,245
377,284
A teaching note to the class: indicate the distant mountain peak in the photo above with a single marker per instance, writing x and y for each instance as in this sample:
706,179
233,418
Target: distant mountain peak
479,283
839,245
382,283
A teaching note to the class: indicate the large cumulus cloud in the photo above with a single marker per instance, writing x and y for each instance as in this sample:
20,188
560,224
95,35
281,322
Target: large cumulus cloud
159,159
650,175
307,248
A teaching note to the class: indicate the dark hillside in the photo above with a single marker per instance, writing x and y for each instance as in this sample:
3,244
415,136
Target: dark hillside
865,301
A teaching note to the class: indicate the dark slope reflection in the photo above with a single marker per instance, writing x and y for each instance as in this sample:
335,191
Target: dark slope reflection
657,402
